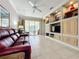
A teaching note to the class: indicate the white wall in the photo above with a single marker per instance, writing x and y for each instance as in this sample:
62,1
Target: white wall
42,28
47,28
13,15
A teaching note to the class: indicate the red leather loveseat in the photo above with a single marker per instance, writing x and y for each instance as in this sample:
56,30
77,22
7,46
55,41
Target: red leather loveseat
11,43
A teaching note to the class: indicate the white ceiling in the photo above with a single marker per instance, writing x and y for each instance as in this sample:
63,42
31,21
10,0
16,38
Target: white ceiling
24,8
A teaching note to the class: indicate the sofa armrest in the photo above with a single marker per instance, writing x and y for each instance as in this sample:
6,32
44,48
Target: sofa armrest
16,49
25,34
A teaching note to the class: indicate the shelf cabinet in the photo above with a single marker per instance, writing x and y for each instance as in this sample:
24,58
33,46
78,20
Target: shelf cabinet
58,37
64,20
55,36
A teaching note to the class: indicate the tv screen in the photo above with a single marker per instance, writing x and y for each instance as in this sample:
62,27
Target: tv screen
57,29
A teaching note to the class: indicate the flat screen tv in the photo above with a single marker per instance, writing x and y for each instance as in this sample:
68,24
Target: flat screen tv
57,29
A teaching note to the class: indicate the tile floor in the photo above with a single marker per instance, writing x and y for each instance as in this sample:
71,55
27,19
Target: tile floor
44,48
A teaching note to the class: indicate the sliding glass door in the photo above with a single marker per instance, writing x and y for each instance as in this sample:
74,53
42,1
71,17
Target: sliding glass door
32,27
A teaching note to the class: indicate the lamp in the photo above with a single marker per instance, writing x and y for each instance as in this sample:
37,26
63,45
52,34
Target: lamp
21,26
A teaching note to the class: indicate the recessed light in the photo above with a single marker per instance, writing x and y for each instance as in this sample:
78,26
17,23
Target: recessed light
71,2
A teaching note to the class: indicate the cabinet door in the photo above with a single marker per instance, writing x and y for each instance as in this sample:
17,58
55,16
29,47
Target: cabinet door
70,27
65,27
58,37
70,40
74,27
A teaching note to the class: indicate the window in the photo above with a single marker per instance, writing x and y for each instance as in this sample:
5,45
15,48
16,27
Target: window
4,17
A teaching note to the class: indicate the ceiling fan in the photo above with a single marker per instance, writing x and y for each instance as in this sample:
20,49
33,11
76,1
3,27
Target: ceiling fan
34,6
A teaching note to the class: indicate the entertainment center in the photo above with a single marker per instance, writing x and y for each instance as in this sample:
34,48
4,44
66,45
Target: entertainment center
62,24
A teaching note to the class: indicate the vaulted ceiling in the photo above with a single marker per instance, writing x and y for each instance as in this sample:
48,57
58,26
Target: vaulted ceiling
24,8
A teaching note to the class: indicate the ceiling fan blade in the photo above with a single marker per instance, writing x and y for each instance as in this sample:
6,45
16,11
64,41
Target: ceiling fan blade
34,6
31,3
38,9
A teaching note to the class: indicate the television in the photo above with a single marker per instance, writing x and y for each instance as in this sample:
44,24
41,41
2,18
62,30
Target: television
57,29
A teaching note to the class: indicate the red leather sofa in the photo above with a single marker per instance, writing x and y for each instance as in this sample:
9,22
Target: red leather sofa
11,42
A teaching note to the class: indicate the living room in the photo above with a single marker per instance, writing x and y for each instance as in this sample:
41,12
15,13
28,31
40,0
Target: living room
31,29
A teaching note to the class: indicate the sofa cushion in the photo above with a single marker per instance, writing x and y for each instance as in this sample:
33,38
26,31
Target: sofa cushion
14,37
3,34
7,42
21,39
11,31
18,43
18,35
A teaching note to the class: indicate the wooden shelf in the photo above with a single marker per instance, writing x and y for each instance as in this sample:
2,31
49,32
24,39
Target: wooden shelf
67,19
55,33
55,22
47,24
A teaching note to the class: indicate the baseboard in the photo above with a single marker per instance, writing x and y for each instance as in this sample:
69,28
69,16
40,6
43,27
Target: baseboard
68,45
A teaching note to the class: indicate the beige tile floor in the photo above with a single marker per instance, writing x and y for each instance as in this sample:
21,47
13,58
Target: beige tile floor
44,48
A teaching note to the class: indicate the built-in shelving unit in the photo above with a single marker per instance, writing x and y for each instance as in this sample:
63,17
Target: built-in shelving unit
62,24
